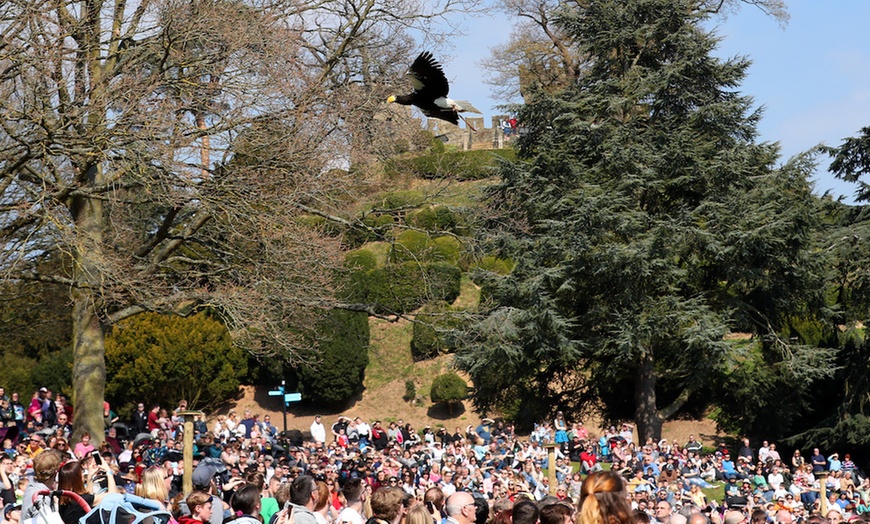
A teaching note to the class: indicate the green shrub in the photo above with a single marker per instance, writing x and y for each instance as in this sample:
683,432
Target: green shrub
446,249
401,199
18,373
416,246
458,165
423,218
410,246
443,281
448,388
439,218
373,228
402,288
395,288
360,259
54,368
338,372
162,358
410,391
328,227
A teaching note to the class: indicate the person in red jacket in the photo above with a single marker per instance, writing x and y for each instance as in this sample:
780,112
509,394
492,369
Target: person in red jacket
588,460
153,420
200,504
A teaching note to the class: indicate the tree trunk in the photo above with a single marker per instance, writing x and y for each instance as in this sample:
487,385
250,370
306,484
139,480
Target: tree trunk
649,423
89,366
89,355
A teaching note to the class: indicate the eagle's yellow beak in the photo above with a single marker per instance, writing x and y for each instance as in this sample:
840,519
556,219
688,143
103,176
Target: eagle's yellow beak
391,99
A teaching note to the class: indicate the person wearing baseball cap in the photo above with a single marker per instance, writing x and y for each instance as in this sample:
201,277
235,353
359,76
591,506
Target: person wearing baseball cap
12,513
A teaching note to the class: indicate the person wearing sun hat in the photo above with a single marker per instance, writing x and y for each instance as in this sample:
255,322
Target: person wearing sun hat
12,513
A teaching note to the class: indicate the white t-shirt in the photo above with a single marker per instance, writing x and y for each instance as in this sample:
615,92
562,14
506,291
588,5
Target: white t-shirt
318,432
350,516
775,480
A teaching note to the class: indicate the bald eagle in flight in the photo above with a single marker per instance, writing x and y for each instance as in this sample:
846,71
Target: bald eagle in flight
430,91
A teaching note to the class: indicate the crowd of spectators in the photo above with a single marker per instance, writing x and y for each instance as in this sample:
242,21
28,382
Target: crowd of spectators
354,470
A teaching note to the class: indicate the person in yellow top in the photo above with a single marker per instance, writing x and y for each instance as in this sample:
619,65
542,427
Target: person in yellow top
35,446
638,483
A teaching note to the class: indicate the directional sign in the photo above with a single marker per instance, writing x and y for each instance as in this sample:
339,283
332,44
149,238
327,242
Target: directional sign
292,397
278,392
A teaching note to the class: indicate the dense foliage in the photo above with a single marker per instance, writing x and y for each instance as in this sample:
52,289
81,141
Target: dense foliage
645,222
155,358
448,388
402,288
336,371
452,164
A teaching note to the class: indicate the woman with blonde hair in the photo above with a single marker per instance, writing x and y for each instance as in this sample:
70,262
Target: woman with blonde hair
153,486
418,514
603,500
698,497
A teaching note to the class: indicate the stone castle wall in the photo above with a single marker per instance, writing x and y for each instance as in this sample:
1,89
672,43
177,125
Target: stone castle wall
464,138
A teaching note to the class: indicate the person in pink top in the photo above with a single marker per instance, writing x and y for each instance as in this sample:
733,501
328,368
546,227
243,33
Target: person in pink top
84,446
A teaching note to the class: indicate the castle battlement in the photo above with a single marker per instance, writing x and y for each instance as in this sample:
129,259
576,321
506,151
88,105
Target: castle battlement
464,138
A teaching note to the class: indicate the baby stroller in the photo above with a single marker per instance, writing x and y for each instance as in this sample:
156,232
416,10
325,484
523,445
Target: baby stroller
116,508
46,504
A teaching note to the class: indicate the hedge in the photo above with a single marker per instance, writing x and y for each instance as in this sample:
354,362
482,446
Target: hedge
360,259
495,265
417,246
456,165
410,246
439,218
375,227
402,288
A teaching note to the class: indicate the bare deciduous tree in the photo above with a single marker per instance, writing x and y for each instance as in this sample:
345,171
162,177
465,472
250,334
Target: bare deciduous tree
539,53
162,151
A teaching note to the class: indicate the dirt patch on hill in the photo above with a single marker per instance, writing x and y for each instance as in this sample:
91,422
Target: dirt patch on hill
386,404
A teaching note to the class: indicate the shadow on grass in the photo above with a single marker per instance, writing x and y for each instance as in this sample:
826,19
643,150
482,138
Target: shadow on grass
445,411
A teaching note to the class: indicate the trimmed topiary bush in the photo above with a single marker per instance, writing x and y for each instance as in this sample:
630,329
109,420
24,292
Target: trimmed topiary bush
401,199
457,165
443,281
423,218
495,265
448,388
373,228
439,218
360,259
410,391
446,249
402,288
328,227
410,246
338,373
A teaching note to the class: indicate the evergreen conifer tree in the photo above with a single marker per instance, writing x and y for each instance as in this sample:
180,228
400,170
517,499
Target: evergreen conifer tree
646,223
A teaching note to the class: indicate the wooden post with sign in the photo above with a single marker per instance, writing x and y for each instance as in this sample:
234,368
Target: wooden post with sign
187,449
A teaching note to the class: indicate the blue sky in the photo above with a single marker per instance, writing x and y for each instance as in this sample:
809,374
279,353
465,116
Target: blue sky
812,76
